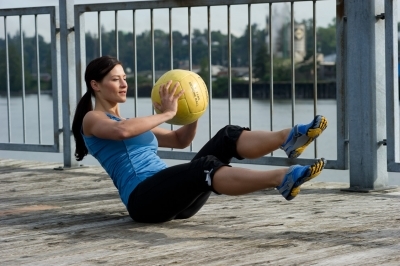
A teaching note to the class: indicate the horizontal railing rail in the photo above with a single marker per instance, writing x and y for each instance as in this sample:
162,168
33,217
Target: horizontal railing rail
68,33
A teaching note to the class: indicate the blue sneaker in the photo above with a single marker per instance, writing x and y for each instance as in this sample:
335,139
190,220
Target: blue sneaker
298,175
302,135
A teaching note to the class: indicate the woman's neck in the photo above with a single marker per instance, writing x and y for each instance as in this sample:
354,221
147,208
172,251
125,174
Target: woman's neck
108,108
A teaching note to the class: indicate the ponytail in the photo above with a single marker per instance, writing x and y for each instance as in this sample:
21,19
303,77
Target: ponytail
84,106
96,70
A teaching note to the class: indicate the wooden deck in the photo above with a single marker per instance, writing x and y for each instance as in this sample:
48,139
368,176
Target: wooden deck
75,217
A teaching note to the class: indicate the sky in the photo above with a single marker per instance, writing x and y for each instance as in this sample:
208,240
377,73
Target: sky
239,17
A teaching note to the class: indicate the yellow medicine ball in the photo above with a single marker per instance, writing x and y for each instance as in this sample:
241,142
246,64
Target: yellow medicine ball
193,102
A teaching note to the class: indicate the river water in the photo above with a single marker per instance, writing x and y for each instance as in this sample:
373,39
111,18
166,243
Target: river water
260,120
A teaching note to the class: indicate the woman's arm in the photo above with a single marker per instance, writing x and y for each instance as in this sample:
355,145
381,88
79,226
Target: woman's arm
96,123
179,138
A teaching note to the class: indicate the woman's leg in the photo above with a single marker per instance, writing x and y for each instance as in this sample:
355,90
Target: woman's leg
234,141
238,181
176,192
223,147
254,144
194,207
179,192
238,142
223,144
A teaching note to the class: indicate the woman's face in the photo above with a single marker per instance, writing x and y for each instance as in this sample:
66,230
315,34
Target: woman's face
113,87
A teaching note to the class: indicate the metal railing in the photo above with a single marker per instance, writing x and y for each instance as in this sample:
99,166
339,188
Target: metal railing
68,46
80,10
23,145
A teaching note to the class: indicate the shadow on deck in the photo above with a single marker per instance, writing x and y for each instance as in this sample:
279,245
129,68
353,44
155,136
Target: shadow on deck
75,217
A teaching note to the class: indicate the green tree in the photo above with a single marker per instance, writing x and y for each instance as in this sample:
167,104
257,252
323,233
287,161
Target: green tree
15,80
261,66
30,64
326,38
204,71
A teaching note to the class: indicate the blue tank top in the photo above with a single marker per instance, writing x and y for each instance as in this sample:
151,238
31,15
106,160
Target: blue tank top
128,162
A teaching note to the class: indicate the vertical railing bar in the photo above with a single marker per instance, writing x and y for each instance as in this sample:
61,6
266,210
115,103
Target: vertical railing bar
99,31
209,72
190,49
23,80
38,79
8,80
341,89
292,63
80,55
135,63
190,37
229,66
55,78
250,65
78,60
271,72
171,40
153,74
116,34
315,69
171,48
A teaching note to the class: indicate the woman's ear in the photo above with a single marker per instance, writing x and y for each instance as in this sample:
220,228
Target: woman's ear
95,85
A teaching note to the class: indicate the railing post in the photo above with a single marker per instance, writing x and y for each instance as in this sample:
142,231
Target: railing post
341,92
365,82
68,78
392,85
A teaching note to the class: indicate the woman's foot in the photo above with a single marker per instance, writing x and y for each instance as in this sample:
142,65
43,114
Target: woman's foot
298,175
302,135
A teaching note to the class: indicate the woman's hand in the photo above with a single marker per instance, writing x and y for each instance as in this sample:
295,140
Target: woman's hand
98,124
169,101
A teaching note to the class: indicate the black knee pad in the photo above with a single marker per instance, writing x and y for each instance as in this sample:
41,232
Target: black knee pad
229,135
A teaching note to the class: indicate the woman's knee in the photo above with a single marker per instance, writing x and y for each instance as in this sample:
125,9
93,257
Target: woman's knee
211,164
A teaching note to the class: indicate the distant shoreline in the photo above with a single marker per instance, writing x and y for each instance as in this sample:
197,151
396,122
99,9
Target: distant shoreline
281,90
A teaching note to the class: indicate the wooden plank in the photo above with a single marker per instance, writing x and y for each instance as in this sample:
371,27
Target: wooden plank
75,217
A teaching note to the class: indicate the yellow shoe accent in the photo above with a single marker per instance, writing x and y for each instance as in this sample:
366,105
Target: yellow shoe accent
295,191
298,175
298,140
315,132
316,169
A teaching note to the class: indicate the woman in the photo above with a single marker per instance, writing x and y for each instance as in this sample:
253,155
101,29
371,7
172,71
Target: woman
153,192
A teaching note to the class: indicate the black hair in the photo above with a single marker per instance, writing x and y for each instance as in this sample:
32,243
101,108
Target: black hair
96,70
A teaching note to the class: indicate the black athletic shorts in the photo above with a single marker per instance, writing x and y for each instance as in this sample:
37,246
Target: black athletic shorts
178,192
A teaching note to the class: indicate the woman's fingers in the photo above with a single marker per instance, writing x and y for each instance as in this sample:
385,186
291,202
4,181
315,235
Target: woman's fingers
164,88
157,106
172,93
180,94
165,91
169,97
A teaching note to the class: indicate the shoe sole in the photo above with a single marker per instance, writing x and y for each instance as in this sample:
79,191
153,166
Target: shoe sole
313,171
319,125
